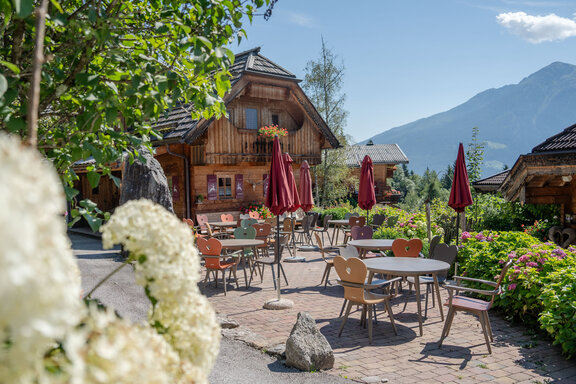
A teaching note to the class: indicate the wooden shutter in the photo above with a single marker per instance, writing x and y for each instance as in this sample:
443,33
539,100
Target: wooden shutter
239,186
212,187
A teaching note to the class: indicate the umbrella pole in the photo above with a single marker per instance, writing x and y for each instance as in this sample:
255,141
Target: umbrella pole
457,226
277,253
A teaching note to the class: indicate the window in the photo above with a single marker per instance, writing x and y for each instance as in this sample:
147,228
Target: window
251,118
224,187
275,120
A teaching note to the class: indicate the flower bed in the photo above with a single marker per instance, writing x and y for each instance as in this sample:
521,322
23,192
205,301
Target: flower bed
540,286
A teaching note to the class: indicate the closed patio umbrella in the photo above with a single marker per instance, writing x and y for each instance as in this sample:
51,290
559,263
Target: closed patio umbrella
291,183
305,189
460,195
278,197
366,193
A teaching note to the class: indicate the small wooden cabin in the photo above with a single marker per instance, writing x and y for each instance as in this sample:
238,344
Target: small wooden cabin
547,175
221,165
384,157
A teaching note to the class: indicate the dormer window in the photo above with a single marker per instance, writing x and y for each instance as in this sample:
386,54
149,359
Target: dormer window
251,118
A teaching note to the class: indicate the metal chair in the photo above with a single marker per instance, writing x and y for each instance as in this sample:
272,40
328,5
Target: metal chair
313,219
328,257
353,221
271,261
324,229
303,234
457,302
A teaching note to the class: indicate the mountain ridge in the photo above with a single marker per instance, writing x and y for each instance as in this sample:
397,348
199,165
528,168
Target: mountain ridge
512,119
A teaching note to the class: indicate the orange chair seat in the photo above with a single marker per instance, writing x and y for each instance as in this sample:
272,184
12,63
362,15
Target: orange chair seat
468,303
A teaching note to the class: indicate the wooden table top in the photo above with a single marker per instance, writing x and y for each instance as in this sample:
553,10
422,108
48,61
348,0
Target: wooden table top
406,265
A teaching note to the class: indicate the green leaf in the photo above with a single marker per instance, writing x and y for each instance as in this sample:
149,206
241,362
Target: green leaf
16,125
70,192
23,7
116,180
10,66
3,85
93,178
94,222
57,5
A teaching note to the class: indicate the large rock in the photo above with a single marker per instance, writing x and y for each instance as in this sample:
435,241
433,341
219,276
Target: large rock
145,180
306,348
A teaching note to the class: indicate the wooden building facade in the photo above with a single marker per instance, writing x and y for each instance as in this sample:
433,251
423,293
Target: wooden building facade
221,165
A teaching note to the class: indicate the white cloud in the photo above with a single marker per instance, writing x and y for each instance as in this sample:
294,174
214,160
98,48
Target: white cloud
537,29
301,19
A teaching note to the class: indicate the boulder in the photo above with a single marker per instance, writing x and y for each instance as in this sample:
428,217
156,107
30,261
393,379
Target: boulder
306,348
145,180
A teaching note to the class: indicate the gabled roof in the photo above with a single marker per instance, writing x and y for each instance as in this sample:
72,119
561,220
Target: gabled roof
177,124
491,183
563,141
379,153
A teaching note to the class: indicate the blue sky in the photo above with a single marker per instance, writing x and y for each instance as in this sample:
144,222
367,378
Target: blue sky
409,59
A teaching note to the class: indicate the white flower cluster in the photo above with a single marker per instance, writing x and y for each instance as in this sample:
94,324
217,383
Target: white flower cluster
39,279
107,349
168,266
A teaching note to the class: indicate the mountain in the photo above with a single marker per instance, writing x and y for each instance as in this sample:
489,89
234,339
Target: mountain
511,120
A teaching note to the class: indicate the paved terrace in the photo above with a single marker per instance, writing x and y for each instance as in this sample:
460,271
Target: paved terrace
518,356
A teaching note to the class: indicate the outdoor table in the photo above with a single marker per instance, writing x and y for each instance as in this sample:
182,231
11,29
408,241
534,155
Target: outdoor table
241,244
365,245
410,266
338,225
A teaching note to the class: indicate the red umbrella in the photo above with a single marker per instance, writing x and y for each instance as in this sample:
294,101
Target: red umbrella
460,196
366,193
278,196
306,198
291,183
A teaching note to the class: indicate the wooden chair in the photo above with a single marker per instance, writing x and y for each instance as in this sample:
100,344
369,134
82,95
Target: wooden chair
352,273
348,215
263,232
328,257
364,232
254,215
217,235
202,220
303,234
406,248
324,229
377,220
457,302
271,261
353,221
248,222
227,217
211,250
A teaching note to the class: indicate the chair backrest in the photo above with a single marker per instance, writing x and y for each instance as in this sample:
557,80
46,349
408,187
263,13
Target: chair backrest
446,253
353,271
406,248
254,215
433,243
348,215
391,221
306,223
313,219
364,232
378,219
245,233
210,247
202,220
244,216
354,221
501,277
248,222
320,245
190,222
270,220
288,224
209,230
227,217
283,242
349,251
262,230
325,224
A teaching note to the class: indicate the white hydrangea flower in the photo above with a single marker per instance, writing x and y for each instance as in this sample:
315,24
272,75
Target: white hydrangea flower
169,267
39,279
107,349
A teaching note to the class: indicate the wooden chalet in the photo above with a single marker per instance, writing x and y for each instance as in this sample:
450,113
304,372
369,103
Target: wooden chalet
490,184
547,175
384,157
221,165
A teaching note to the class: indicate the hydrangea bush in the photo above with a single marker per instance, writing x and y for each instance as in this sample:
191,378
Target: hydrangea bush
538,287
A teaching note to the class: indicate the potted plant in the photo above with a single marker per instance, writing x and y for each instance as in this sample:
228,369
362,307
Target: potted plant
199,199
268,132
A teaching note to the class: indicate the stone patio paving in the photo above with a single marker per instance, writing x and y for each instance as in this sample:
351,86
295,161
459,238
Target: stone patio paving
518,356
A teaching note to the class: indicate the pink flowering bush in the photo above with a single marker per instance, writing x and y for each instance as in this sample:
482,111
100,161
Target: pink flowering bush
538,289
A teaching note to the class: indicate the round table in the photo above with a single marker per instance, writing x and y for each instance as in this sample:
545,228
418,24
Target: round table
338,224
410,266
241,244
365,245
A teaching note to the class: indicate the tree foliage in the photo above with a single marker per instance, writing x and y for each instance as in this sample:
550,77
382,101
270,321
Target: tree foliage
323,85
112,68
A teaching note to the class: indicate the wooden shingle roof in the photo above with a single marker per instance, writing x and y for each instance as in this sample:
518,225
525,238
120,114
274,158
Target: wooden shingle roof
379,153
252,61
563,141
491,183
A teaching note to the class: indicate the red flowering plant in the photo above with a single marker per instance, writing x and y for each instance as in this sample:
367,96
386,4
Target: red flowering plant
260,208
270,131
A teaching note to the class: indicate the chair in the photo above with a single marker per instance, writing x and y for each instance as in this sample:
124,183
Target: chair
271,261
211,250
263,232
364,232
244,223
271,221
457,302
329,261
442,252
254,215
313,219
245,233
377,220
304,232
202,220
352,273
217,235
353,221
348,215
324,229
406,248
433,243
227,217
349,251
